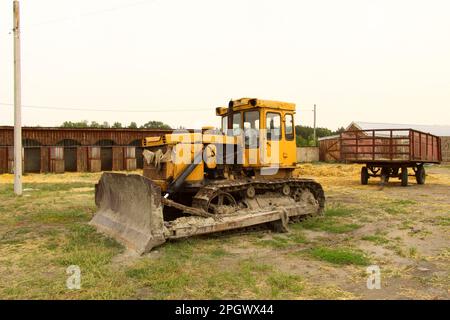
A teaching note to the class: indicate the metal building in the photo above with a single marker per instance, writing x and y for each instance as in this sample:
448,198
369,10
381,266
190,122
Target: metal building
69,149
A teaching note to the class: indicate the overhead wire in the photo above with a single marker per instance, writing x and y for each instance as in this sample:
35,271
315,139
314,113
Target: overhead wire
111,109
92,13
108,109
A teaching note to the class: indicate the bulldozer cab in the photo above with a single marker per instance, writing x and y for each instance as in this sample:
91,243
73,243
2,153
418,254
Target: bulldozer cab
268,130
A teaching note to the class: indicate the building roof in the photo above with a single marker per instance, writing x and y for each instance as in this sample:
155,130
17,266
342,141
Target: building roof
437,130
91,129
329,138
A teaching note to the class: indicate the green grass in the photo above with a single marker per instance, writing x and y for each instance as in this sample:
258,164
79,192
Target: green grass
298,238
50,240
443,221
397,249
376,238
412,252
294,237
282,285
406,224
338,211
45,231
87,248
36,188
169,277
218,253
58,216
340,256
15,236
279,242
328,225
395,207
335,220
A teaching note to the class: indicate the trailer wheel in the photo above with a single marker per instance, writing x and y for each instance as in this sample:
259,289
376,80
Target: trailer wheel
385,175
364,176
420,175
404,177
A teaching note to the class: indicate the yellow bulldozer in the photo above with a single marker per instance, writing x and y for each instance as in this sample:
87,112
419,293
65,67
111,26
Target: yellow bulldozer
211,180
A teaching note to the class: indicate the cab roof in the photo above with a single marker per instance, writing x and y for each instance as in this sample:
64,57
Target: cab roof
251,103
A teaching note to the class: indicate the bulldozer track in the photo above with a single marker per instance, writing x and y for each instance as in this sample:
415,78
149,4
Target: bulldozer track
204,196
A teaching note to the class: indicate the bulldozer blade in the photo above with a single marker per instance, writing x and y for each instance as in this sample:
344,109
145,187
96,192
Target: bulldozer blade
130,211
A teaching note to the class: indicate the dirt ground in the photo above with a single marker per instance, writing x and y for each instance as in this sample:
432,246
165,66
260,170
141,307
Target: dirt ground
403,231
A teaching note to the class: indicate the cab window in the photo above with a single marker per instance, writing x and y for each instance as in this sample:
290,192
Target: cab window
251,129
289,127
273,126
224,124
236,124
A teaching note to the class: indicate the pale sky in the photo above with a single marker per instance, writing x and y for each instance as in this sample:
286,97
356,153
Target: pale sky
383,61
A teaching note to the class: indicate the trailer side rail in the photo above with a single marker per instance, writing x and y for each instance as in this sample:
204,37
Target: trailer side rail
389,145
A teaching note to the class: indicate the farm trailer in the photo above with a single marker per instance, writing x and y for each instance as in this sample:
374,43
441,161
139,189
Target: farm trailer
388,153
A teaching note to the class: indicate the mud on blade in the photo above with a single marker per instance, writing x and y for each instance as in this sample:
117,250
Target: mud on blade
130,211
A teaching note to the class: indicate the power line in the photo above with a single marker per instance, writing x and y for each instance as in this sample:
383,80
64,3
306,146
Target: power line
109,110
86,14
92,13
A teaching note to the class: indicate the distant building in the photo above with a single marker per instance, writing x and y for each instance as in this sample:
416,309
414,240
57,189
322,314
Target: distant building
75,149
329,146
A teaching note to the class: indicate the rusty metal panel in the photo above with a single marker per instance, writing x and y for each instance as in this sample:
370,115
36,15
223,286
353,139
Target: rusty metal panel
94,153
10,153
400,145
57,159
57,153
88,159
11,160
57,166
94,162
82,159
3,160
130,152
130,158
118,160
329,150
10,166
45,159
83,136
426,147
130,164
95,165
445,142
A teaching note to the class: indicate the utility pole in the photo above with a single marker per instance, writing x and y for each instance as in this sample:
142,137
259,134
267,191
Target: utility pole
17,104
315,119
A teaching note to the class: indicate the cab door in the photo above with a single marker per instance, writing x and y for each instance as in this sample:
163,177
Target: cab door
289,144
252,139
271,152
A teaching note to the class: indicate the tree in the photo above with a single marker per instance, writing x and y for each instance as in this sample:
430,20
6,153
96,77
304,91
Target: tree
79,124
117,124
305,135
340,130
156,125
94,124
105,125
